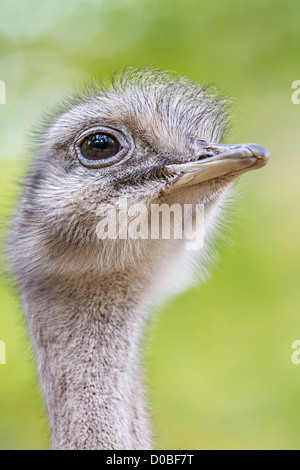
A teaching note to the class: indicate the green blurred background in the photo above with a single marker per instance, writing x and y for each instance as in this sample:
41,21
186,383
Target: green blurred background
219,358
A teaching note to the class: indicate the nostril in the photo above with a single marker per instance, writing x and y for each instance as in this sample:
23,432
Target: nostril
205,155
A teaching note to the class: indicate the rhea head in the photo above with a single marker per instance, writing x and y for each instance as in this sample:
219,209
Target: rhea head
149,137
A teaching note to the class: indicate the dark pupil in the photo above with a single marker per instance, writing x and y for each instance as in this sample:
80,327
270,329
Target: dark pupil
99,147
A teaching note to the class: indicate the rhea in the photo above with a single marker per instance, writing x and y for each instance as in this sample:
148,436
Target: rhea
149,137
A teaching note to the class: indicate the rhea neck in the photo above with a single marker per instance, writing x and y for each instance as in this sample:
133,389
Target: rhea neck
87,338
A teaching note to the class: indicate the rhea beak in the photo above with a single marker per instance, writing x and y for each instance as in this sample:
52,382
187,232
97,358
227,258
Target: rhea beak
218,161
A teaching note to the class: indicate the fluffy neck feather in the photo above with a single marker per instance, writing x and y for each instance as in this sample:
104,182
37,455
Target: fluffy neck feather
87,348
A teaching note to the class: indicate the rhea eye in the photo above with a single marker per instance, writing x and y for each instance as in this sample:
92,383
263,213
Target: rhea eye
100,147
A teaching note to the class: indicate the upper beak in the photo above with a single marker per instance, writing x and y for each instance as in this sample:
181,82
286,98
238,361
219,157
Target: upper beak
219,161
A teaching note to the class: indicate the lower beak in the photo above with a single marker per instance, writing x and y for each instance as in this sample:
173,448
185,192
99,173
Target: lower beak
218,161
